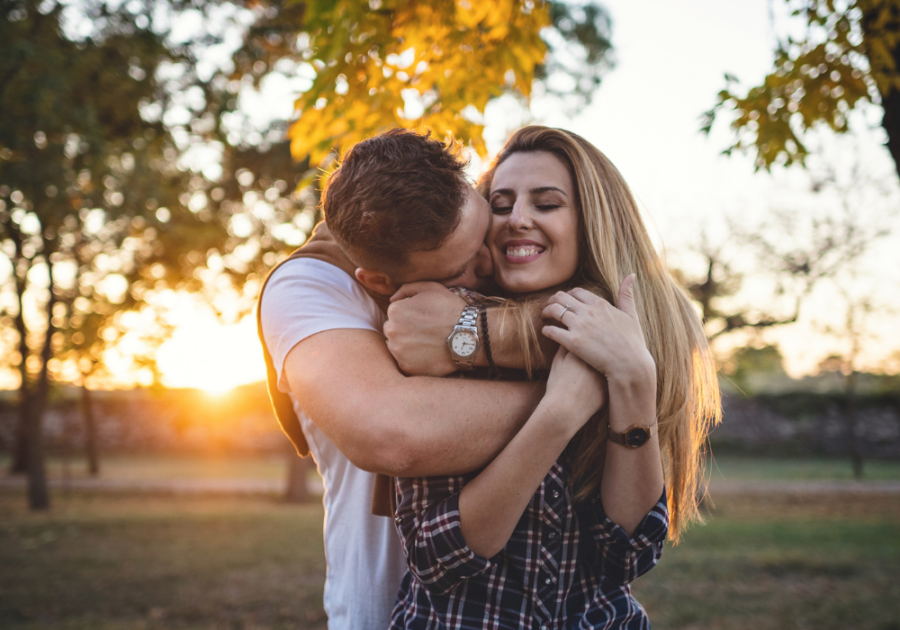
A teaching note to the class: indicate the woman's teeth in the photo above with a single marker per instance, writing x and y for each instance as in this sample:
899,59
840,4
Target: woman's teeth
523,252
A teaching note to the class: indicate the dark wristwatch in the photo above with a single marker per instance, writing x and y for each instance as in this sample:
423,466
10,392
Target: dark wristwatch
632,437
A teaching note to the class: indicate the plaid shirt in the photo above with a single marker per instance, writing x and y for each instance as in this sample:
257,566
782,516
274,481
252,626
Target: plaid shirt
564,566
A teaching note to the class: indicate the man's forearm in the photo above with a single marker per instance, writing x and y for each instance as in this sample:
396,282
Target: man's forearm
422,316
383,421
454,426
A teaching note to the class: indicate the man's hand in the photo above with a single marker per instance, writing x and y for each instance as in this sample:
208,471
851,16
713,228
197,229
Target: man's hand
420,318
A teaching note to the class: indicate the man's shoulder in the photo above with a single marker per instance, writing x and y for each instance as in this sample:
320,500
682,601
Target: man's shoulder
305,279
308,293
312,271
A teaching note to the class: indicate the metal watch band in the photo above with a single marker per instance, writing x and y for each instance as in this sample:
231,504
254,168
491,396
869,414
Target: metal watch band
469,318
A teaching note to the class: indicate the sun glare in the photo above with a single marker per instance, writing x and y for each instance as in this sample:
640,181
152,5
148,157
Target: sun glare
204,354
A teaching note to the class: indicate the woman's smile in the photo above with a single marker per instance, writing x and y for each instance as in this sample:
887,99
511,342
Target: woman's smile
521,251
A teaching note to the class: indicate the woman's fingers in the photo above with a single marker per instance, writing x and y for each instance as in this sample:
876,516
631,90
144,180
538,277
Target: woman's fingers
560,335
585,296
558,311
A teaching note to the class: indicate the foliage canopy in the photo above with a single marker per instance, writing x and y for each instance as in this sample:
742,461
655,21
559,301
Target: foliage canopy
430,65
848,56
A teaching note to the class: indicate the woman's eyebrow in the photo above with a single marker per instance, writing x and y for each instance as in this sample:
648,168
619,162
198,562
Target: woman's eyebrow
533,191
543,189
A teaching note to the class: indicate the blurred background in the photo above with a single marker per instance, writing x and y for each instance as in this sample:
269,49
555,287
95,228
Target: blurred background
157,157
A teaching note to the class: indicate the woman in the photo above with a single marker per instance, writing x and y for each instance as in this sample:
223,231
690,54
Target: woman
551,533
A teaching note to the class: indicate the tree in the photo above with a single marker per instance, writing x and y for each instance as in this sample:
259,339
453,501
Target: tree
92,213
748,364
852,332
409,63
719,284
850,55
794,250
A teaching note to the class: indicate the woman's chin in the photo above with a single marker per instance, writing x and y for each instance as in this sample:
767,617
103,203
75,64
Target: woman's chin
517,283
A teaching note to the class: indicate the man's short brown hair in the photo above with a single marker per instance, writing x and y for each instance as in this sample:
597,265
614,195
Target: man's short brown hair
393,194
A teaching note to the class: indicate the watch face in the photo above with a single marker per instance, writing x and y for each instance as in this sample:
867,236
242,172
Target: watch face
463,343
637,437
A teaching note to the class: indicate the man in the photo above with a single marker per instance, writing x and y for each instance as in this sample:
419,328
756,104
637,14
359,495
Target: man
399,211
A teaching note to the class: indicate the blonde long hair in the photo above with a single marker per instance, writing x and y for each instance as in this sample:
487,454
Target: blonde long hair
614,243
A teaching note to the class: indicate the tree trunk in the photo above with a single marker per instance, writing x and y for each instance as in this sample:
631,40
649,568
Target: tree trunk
891,123
90,432
850,416
19,464
297,490
38,494
879,32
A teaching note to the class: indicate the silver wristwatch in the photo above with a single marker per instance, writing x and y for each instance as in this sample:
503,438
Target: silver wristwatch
463,341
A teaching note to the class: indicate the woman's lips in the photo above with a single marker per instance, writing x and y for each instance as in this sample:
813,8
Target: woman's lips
520,252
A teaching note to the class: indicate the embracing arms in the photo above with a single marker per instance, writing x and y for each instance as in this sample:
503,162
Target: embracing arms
607,338
398,425
422,315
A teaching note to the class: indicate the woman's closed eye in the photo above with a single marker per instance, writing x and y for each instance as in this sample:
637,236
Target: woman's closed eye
544,207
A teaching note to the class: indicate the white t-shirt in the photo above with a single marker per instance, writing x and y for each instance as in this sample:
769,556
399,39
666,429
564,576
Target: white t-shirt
365,560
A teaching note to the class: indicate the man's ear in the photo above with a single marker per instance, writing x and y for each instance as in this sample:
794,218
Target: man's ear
376,281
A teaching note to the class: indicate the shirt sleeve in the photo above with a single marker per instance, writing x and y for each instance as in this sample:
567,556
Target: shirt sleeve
428,522
307,296
623,558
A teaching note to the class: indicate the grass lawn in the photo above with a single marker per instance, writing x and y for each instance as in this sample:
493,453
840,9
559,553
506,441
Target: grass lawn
782,562
115,561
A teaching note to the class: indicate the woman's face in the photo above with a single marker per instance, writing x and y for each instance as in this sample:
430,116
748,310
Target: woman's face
534,235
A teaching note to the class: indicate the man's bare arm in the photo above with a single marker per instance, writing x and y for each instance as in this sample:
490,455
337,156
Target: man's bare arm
386,422
421,317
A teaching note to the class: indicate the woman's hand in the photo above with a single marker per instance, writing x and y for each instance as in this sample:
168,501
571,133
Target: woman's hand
607,338
575,391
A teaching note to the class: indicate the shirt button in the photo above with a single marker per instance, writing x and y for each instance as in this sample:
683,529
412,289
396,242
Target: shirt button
548,581
398,519
552,536
556,494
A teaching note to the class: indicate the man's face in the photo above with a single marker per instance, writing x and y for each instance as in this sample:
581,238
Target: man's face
464,259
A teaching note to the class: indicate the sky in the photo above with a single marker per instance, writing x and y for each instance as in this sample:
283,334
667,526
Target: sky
671,57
